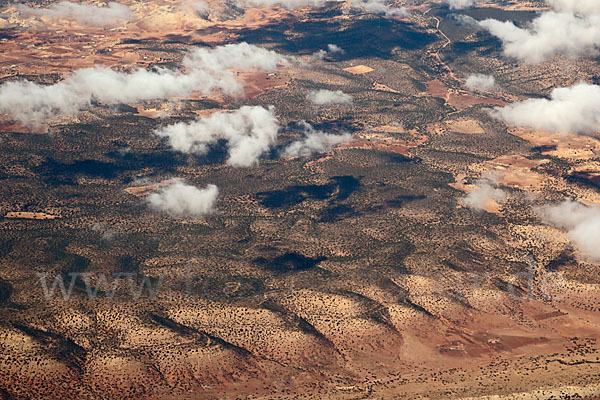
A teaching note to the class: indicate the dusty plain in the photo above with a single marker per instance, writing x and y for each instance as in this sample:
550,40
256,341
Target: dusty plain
353,274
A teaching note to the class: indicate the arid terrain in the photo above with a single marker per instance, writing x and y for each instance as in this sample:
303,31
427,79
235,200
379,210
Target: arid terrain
411,257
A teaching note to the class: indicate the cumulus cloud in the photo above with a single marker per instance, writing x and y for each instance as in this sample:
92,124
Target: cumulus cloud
199,7
181,199
249,132
481,82
324,97
460,4
466,20
379,7
581,222
241,56
289,4
334,48
314,141
572,28
486,191
86,14
575,109
331,50
206,70
584,7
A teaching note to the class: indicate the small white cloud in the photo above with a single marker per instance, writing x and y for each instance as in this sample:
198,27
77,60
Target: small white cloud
486,191
583,7
331,49
460,4
481,82
334,48
249,132
380,7
289,4
466,20
181,199
86,14
581,222
319,55
199,7
574,109
314,141
324,97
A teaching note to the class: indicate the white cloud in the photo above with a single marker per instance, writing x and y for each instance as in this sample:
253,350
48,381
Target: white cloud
581,222
206,70
334,48
481,82
460,4
466,20
323,97
86,14
181,199
314,141
249,131
379,7
575,109
289,4
585,7
199,7
572,28
239,56
331,49
486,191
